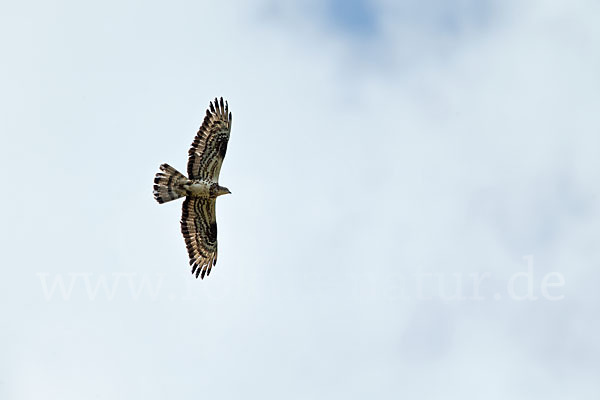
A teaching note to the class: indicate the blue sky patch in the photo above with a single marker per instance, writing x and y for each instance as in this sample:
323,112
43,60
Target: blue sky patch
353,16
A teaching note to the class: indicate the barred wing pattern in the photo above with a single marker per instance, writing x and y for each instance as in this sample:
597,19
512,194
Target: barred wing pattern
210,144
199,228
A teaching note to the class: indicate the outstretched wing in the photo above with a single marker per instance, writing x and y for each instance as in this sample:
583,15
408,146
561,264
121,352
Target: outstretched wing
210,144
199,228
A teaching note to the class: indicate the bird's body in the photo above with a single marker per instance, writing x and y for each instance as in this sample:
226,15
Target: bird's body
201,188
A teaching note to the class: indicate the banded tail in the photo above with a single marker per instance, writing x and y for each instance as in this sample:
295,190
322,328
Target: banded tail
168,184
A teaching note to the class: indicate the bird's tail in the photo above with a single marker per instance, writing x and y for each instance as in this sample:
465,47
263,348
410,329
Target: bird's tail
168,184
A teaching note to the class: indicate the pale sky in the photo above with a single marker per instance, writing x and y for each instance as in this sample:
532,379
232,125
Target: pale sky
414,209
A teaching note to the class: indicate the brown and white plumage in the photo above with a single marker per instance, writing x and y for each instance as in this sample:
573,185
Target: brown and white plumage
210,145
201,187
199,228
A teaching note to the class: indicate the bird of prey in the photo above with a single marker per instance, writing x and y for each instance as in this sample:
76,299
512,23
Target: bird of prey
200,188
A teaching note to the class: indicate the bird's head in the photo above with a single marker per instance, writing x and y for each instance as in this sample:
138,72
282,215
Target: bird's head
221,190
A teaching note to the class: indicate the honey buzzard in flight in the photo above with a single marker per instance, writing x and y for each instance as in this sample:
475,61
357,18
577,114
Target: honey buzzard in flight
201,187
